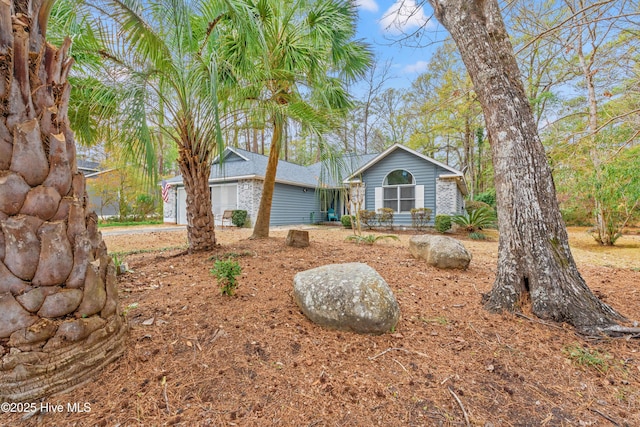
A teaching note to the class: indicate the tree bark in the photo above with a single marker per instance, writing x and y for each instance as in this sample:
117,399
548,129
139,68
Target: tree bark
534,259
602,233
200,226
49,238
261,228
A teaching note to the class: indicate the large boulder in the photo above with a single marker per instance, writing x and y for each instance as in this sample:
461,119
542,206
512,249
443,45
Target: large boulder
352,297
440,251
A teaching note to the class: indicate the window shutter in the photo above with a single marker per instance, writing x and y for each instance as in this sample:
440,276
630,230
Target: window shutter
419,196
379,200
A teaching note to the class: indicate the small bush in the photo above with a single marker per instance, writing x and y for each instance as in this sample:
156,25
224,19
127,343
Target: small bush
476,220
144,206
488,197
346,221
385,217
239,217
420,217
443,223
367,218
226,272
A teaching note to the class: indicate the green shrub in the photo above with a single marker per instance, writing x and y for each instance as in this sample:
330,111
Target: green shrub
420,217
473,205
226,272
239,217
367,218
443,223
576,215
385,217
488,197
476,220
346,221
144,207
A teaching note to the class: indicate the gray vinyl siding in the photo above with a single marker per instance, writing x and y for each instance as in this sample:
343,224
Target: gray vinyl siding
292,205
423,171
95,204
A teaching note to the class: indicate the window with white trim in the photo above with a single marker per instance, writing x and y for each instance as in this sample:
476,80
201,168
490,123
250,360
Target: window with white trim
399,191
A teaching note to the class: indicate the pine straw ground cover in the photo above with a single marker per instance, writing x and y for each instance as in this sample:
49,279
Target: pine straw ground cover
197,358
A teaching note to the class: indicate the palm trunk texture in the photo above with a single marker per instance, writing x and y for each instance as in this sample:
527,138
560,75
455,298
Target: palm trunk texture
534,259
59,315
200,226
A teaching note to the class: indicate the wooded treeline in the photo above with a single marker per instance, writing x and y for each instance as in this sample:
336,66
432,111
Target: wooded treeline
579,61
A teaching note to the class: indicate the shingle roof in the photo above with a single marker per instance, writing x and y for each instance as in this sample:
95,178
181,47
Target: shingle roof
238,163
87,166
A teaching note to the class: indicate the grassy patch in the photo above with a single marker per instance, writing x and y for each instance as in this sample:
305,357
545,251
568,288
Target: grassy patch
438,320
370,239
105,224
588,358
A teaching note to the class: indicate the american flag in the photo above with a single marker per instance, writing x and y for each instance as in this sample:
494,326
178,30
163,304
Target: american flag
165,191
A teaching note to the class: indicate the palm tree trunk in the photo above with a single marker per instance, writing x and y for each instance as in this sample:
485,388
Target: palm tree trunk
200,226
59,316
261,229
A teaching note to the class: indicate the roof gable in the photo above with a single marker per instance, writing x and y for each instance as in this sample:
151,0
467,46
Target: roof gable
230,155
242,164
393,148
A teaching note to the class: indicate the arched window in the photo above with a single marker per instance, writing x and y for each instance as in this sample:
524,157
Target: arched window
399,191
398,177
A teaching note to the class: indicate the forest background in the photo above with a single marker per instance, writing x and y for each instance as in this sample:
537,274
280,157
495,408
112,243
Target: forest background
579,65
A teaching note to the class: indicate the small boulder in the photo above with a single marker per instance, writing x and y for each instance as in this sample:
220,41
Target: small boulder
297,238
351,297
440,251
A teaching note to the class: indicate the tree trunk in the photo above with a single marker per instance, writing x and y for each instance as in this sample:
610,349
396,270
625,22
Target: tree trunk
602,232
261,229
534,258
59,316
200,226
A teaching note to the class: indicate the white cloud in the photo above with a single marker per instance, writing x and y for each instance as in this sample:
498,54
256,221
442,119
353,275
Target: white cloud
403,16
369,5
418,67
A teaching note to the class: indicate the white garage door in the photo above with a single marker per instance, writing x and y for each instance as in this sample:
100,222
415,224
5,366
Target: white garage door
182,206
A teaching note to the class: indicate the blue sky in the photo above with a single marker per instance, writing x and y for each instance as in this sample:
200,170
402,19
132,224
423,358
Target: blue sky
384,23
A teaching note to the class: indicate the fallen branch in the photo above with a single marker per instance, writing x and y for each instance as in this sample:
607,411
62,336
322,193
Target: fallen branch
623,330
164,393
605,416
402,366
464,412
